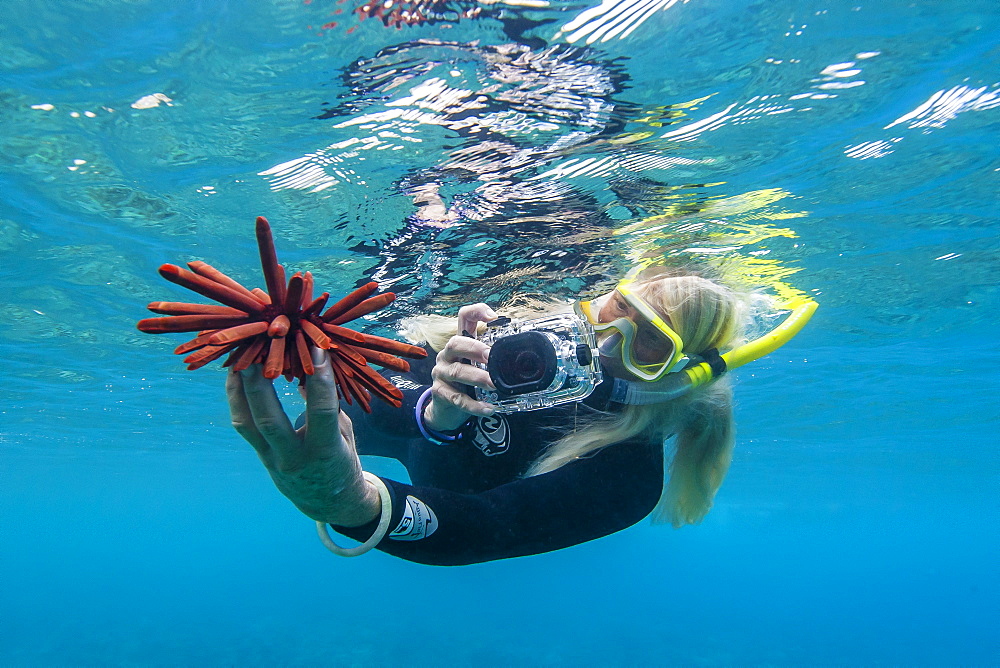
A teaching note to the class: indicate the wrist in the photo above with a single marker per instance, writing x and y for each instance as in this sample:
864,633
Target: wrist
446,420
355,507
346,499
436,425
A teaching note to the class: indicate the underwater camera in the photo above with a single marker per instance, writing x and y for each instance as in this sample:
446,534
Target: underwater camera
540,363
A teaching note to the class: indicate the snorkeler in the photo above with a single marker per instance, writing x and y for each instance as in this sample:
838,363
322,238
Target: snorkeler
493,480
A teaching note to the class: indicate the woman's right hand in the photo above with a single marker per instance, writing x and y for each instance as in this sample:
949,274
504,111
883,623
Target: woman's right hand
450,405
316,466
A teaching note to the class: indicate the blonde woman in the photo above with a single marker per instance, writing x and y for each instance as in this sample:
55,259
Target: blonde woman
489,486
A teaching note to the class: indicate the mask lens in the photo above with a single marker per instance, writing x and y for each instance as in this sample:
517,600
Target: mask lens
650,346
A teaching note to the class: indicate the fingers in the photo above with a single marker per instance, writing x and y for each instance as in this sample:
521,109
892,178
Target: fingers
453,373
453,398
452,365
471,315
239,411
464,348
270,420
452,377
322,404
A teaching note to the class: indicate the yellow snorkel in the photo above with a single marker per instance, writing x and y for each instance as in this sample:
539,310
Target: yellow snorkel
699,374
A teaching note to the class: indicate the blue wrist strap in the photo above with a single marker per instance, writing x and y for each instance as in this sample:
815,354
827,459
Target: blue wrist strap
435,437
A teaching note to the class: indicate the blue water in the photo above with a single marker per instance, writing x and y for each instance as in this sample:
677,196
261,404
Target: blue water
858,525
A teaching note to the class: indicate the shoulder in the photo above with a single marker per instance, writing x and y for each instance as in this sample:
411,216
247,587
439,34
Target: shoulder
629,473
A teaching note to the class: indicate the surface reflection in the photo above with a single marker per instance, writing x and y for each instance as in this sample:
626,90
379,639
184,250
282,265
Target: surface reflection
531,173
935,113
534,160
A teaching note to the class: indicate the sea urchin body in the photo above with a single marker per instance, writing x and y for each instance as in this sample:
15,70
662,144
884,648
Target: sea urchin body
277,328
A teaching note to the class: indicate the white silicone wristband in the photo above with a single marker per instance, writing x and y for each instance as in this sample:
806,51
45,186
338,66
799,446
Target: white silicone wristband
380,531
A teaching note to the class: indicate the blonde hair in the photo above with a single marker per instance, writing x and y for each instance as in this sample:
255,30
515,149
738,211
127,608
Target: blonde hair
707,315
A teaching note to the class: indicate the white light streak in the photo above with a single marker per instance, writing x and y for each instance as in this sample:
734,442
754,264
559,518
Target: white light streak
944,105
611,19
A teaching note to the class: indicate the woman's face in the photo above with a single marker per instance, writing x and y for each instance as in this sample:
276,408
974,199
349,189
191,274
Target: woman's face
650,346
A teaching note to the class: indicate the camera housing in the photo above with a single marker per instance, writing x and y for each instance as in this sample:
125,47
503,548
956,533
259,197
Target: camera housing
540,362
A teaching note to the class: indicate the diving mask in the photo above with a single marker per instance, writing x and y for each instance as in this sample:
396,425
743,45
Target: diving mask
647,346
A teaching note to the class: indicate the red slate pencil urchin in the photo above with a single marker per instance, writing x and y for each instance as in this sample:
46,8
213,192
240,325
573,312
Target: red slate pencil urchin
277,328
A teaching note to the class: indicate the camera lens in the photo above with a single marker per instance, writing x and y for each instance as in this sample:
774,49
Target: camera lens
522,363
526,367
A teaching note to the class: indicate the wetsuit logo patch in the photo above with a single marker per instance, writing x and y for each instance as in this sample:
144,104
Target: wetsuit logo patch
492,436
404,383
418,521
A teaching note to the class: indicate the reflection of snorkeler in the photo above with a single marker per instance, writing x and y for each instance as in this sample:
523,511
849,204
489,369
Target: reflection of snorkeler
508,113
504,197
432,212
515,111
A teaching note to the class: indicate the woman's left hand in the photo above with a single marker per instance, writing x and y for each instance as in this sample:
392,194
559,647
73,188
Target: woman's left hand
317,466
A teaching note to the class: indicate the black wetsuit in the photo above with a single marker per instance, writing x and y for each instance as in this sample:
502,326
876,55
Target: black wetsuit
469,501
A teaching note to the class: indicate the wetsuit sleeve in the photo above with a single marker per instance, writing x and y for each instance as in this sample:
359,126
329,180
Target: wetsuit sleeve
588,499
